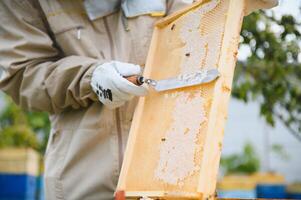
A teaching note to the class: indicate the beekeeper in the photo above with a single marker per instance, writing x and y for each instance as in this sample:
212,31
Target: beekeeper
70,59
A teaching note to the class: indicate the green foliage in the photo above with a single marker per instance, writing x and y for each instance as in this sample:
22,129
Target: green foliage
245,163
23,129
11,115
280,151
18,136
40,124
271,74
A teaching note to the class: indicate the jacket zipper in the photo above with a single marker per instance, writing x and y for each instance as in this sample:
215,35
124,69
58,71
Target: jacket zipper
117,114
79,29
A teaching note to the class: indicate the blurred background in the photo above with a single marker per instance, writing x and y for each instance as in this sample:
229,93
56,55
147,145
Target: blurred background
262,146
261,154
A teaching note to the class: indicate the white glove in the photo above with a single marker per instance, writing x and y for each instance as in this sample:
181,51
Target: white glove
112,89
253,5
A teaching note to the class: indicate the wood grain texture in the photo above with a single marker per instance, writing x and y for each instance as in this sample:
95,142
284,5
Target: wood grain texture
176,136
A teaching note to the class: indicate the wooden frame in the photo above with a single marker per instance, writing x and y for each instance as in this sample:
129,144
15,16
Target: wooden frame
162,160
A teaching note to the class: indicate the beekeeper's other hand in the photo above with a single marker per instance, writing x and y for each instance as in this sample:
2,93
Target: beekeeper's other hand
253,5
112,88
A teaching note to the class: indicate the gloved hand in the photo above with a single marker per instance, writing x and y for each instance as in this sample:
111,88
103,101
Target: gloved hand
112,89
253,5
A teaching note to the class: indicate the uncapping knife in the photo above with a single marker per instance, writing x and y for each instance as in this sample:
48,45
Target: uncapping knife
181,81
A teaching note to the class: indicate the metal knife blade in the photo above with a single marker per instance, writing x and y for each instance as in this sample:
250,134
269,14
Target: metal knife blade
181,81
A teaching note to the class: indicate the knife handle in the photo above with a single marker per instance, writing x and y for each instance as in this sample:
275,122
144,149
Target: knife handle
136,79
140,80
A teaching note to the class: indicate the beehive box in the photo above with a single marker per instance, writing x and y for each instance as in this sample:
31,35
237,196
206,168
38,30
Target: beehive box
19,168
176,136
19,161
237,186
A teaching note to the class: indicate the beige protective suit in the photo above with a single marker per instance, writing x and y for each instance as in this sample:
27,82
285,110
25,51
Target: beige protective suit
49,51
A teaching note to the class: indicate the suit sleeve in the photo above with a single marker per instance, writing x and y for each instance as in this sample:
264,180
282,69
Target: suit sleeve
35,75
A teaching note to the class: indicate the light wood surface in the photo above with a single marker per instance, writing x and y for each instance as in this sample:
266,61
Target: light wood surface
176,136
